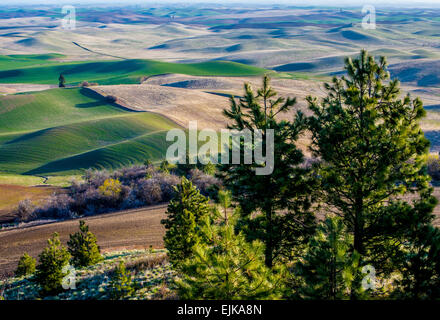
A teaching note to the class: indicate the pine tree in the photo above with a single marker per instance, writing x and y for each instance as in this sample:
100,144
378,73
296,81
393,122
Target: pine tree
328,267
83,247
420,266
185,211
52,260
371,153
26,266
224,199
286,189
166,167
61,81
121,284
227,267
209,168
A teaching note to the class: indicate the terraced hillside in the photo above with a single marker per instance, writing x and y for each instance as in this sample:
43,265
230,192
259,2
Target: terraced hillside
65,130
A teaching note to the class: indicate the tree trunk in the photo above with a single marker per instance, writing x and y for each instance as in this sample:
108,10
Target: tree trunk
269,239
358,243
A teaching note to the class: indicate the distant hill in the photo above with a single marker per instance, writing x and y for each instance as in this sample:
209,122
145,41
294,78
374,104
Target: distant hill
15,69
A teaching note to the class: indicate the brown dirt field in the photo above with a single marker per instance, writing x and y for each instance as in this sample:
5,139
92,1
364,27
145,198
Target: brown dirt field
10,195
131,229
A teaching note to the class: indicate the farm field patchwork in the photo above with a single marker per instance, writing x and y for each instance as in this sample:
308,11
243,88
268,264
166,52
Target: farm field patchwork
134,72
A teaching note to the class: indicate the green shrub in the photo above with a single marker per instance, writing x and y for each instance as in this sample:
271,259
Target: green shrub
209,168
166,167
121,284
26,266
83,247
53,259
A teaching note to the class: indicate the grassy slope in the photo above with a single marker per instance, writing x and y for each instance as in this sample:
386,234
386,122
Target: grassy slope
26,60
117,72
61,131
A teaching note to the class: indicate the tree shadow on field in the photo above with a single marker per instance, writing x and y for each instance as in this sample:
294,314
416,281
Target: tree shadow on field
91,104
99,99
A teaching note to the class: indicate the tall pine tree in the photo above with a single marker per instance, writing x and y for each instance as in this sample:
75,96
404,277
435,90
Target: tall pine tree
287,189
371,153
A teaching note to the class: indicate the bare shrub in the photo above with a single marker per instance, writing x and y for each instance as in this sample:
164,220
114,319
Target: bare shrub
96,178
24,210
149,191
57,207
167,184
103,192
164,292
130,174
207,184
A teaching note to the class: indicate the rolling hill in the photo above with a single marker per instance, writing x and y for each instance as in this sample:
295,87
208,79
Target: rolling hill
61,131
114,71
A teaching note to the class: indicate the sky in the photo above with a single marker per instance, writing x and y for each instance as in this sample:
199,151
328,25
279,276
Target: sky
398,3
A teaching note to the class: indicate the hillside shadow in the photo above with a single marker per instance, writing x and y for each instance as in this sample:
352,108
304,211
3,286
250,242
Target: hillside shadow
10,73
99,99
434,137
91,104
433,107
28,136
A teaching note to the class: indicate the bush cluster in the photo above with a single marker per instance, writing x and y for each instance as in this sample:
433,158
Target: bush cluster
103,192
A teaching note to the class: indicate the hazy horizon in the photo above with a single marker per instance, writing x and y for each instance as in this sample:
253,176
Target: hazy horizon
346,3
